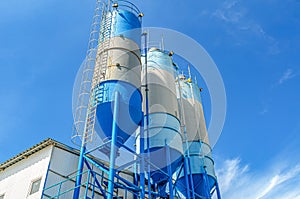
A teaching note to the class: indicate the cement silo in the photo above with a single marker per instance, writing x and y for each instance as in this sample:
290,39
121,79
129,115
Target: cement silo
201,174
142,110
162,123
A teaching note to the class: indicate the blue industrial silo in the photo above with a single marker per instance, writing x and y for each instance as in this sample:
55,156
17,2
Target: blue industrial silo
118,71
162,124
200,171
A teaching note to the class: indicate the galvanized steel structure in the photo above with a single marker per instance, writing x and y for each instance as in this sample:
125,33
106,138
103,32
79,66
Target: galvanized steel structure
128,90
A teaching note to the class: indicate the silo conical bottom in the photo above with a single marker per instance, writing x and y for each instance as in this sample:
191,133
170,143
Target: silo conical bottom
201,187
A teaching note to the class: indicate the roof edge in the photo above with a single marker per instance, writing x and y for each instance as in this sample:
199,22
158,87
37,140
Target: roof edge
25,154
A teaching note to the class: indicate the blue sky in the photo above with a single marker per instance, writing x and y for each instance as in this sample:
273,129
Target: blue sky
255,45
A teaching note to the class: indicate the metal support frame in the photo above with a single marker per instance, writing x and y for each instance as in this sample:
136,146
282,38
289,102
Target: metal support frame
113,148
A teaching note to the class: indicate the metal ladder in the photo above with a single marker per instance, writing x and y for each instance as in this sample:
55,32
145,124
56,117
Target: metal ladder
97,91
80,112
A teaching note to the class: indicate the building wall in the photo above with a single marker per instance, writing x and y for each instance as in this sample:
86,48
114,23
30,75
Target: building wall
63,167
15,181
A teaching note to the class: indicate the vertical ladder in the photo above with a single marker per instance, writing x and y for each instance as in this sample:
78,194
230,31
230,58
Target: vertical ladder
101,65
82,103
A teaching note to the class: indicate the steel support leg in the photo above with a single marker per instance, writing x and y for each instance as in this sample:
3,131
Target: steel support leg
169,171
142,167
79,172
191,178
185,169
218,191
113,149
136,182
206,186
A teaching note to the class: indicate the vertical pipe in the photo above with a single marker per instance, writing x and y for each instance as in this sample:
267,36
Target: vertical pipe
142,167
135,180
206,187
113,148
193,97
218,191
186,177
169,170
187,154
79,171
191,178
147,112
87,183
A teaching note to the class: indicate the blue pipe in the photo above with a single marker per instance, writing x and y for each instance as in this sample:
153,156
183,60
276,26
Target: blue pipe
218,191
169,170
142,167
191,177
186,178
79,171
135,178
207,189
147,113
113,149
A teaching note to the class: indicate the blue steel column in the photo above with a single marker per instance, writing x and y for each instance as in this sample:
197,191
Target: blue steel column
218,191
186,155
79,171
185,165
142,167
169,171
147,113
207,189
191,178
111,176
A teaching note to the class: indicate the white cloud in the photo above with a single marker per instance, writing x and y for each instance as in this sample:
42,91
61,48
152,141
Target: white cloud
228,13
238,181
238,22
288,74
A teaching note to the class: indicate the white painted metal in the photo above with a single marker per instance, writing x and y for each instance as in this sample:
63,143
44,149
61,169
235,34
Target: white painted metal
123,60
162,92
193,111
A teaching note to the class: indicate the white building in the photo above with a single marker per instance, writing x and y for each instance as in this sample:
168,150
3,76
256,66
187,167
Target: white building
48,163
